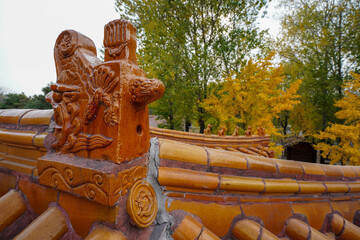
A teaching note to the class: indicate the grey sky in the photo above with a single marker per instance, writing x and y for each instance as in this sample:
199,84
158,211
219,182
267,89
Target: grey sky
28,30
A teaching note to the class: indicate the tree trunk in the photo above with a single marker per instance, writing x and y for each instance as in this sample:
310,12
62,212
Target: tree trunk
201,124
201,119
187,125
171,117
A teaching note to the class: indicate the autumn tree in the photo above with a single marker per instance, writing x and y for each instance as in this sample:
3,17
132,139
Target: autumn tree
189,44
341,142
319,44
253,96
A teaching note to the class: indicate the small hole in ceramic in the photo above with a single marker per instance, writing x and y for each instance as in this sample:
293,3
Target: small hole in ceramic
139,130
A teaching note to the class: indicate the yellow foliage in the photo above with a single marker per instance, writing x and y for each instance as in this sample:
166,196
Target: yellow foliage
254,97
303,120
345,137
278,149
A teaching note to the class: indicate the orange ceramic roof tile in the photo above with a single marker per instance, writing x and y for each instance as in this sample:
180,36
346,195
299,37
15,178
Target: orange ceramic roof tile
269,198
215,217
12,206
37,117
206,234
344,229
346,208
7,182
212,198
356,169
288,166
19,167
336,187
220,158
340,197
39,140
299,230
101,233
242,184
331,235
160,132
49,225
281,186
3,148
187,190
348,171
312,168
273,220
316,235
337,224
83,213
354,186
332,170
246,230
247,151
39,197
185,153
12,115
261,163
188,229
231,149
250,230
22,160
311,187
17,137
24,151
314,211
177,177
174,194
260,152
213,141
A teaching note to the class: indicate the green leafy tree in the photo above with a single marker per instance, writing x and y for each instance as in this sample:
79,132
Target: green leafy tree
14,100
188,44
38,101
319,44
3,92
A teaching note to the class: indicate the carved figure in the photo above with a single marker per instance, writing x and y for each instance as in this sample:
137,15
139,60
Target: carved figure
144,91
261,131
72,51
236,131
120,41
248,131
222,131
90,97
207,131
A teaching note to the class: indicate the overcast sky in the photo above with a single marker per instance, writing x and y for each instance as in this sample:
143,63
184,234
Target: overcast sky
29,28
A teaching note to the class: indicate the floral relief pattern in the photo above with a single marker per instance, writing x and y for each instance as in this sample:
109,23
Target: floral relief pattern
142,204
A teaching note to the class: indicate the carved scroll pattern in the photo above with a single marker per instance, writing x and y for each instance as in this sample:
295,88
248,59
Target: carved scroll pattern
128,178
64,180
96,186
